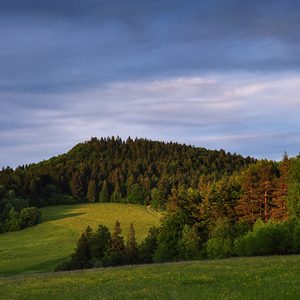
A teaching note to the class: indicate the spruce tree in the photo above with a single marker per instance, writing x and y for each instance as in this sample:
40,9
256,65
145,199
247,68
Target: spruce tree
114,255
117,241
82,256
104,196
131,252
91,194
77,186
100,241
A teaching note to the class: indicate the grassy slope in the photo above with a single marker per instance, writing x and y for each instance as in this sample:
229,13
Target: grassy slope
276,277
43,247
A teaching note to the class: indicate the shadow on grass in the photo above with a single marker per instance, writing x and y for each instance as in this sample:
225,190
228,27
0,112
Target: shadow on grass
43,267
60,216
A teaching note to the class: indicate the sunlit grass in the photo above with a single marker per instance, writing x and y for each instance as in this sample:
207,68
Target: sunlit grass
276,277
43,247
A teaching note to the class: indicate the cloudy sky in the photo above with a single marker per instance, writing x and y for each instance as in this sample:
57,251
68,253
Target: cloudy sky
214,74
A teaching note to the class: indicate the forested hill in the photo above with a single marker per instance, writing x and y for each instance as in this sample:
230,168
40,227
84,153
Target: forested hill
109,169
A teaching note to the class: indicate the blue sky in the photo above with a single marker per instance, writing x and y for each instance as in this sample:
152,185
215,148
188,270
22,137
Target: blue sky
213,74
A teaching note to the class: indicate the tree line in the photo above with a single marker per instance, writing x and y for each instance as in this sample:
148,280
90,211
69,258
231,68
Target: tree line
217,204
111,170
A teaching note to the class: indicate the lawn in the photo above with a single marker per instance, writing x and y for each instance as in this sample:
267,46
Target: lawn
276,277
43,247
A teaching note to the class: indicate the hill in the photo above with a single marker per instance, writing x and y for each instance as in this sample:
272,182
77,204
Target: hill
274,277
43,247
112,170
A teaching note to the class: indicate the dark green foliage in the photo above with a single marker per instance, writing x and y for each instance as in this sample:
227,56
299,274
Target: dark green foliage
293,180
88,233
220,245
117,241
147,248
115,166
131,250
104,196
77,186
269,239
29,217
100,241
13,223
164,253
91,194
171,229
296,240
82,256
116,196
137,194
113,259
190,246
157,201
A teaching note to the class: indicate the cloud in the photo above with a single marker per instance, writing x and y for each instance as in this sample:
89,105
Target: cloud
217,74
55,46
242,113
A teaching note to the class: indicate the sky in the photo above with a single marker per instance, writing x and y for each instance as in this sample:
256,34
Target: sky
215,74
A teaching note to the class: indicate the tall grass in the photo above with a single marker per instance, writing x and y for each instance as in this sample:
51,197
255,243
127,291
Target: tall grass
276,277
43,247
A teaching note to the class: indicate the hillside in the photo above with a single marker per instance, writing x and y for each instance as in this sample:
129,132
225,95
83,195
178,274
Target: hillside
41,248
267,278
112,170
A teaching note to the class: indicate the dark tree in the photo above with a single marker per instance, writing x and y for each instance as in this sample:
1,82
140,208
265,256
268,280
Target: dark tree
100,241
91,194
117,241
77,186
82,256
104,196
147,248
131,254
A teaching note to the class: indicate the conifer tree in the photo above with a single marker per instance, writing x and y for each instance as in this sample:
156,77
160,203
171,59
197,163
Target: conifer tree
117,241
100,241
77,186
131,252
279,212
104,196
82,256
88,233
91,194
116,196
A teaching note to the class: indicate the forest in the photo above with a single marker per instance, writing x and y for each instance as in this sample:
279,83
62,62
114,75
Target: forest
217,204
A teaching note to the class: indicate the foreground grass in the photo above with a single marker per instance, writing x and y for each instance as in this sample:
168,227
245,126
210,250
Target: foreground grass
43,247
276,277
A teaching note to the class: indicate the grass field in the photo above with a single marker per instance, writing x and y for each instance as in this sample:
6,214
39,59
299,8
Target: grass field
43,247
276,277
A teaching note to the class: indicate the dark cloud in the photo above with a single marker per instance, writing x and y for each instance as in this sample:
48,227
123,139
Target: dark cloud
211,73
50,46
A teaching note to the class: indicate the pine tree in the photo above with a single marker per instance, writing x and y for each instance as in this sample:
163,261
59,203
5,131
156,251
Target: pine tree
117,241
104,196
131,252
100,241
88,233
279,212
91,194
116,196
77,186
82,256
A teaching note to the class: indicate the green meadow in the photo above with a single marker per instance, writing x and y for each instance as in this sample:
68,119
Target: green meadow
275,277
41,248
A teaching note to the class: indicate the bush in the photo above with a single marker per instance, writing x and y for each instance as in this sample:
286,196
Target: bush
29,217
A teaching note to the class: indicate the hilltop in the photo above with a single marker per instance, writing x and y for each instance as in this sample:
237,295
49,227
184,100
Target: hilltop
112,170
